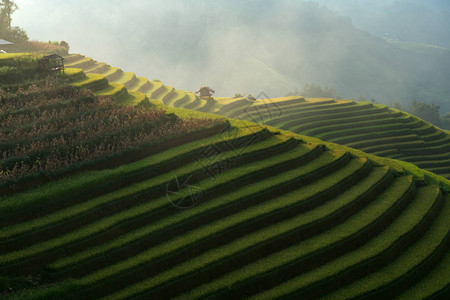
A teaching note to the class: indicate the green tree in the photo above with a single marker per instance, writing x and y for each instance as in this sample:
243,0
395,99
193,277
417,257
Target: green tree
397,105
425,111
7,8
315,90
14,34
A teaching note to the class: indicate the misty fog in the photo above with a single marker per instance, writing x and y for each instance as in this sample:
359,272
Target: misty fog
253,46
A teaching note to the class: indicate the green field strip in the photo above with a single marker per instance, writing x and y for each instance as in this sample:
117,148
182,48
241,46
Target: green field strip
435,285
166,93
435,163
440,170
74,74
239,218
283,101
384,132
194,101
84,63
145,88
426,158
290,115
133,98
93,82
156,89
116,90
293,227
336,119
359,124
126,78
436,135
334,134
385,246
231,108
305,124
437,142
398,146
437,147
300,105
340,107
369,112
294,104
138,83
390,153
99,68
435,150
363,137
72,58
177,95
113,74
370,141
75,58
229,251
86,206
398,273
49,194
218,206
182,102
209,106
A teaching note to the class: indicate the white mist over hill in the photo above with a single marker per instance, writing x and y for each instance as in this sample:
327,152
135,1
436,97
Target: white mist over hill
239,46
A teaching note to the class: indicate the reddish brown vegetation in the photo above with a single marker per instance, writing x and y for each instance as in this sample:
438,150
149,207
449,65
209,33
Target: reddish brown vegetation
52,127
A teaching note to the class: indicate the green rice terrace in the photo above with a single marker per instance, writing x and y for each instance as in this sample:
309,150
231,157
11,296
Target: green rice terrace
371,128
116,187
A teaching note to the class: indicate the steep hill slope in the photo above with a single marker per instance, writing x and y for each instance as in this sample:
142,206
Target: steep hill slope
371,128
280,46
246,210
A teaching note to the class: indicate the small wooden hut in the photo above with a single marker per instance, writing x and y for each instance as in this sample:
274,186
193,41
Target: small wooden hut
52,63
205,91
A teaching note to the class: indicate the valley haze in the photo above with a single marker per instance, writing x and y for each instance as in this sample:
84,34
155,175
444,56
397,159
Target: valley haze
252,46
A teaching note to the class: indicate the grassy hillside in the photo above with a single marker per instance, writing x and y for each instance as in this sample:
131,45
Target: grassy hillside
374,129
236,210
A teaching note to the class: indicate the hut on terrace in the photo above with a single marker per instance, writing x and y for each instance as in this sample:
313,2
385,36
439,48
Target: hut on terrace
205,91
51,63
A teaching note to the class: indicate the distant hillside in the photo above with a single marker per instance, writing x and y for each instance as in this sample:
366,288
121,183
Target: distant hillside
194,205
250,47
371,128
407,20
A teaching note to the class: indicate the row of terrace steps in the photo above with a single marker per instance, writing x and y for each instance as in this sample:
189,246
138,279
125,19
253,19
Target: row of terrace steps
43,224
360,206
154,90
136,243
266,186
374,129
101,87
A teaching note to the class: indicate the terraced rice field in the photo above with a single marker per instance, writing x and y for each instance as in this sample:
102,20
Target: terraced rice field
240,211
155,90
374,129
255,213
